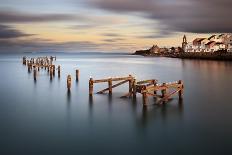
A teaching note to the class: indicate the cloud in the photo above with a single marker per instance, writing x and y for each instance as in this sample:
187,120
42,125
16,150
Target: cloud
111,34
113,40
196,16
7,32
23,17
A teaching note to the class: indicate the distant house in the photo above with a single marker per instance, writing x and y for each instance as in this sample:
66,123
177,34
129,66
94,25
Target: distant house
219,46
198,44
154,49
229,43
209,46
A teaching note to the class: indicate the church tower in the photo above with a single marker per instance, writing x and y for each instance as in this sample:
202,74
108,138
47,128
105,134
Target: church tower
184,43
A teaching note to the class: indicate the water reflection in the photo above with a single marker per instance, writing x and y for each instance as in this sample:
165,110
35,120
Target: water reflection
68,97
164,112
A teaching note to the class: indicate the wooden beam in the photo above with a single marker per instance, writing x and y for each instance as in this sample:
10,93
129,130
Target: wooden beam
116,85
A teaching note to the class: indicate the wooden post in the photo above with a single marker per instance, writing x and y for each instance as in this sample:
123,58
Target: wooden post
130,84
29,68
164,91
34,73
110,85
77,75
134,88
69,82
54,68
154,83
59,71
181,91
91,87
51,72
48,68
144,96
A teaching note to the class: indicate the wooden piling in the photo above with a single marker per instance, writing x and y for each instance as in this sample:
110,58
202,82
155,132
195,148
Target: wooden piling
51,72
154,83
69,82
144,93
180,93
164,91
35,73
77,75
54,68
91,87
130,85
110,85
59,71
134,88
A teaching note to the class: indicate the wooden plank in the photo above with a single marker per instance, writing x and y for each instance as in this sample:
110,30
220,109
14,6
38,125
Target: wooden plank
113,79
167,96
151,81
116,85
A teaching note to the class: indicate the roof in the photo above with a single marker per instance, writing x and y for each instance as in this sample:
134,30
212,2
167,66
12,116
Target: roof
209,43
198,39
211,37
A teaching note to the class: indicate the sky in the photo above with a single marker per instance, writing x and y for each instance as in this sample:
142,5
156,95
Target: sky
107,25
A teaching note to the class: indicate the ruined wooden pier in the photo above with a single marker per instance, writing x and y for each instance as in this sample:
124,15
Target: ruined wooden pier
162,92
147,88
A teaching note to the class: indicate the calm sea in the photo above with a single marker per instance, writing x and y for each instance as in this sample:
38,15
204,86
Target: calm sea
42,118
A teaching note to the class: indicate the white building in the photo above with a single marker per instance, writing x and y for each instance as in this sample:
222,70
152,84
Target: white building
211,44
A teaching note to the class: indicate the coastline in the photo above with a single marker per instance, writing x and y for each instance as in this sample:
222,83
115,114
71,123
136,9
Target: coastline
222,56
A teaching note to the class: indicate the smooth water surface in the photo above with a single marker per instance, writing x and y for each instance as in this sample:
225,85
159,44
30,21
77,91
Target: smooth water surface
43,118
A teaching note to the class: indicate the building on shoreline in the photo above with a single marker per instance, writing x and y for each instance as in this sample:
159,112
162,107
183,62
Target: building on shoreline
222,42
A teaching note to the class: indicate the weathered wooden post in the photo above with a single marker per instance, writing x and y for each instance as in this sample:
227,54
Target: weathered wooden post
34,73
51,72
29,68
24,60
54,69
110,85
69,82
134,88
130,84
77,75
164,91
155,84
59,71
48,66
144,93
91,87
181,91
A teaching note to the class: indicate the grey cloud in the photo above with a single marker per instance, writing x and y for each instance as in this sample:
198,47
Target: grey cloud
113,40
23,17
197,16
7,32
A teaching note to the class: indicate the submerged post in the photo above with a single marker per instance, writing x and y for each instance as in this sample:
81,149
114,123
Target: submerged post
34,74
144,93
54,68
91,87
130,84
110,85
59,71
164,91
51,72
181,89
69,82
77,75
134,88
155,84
